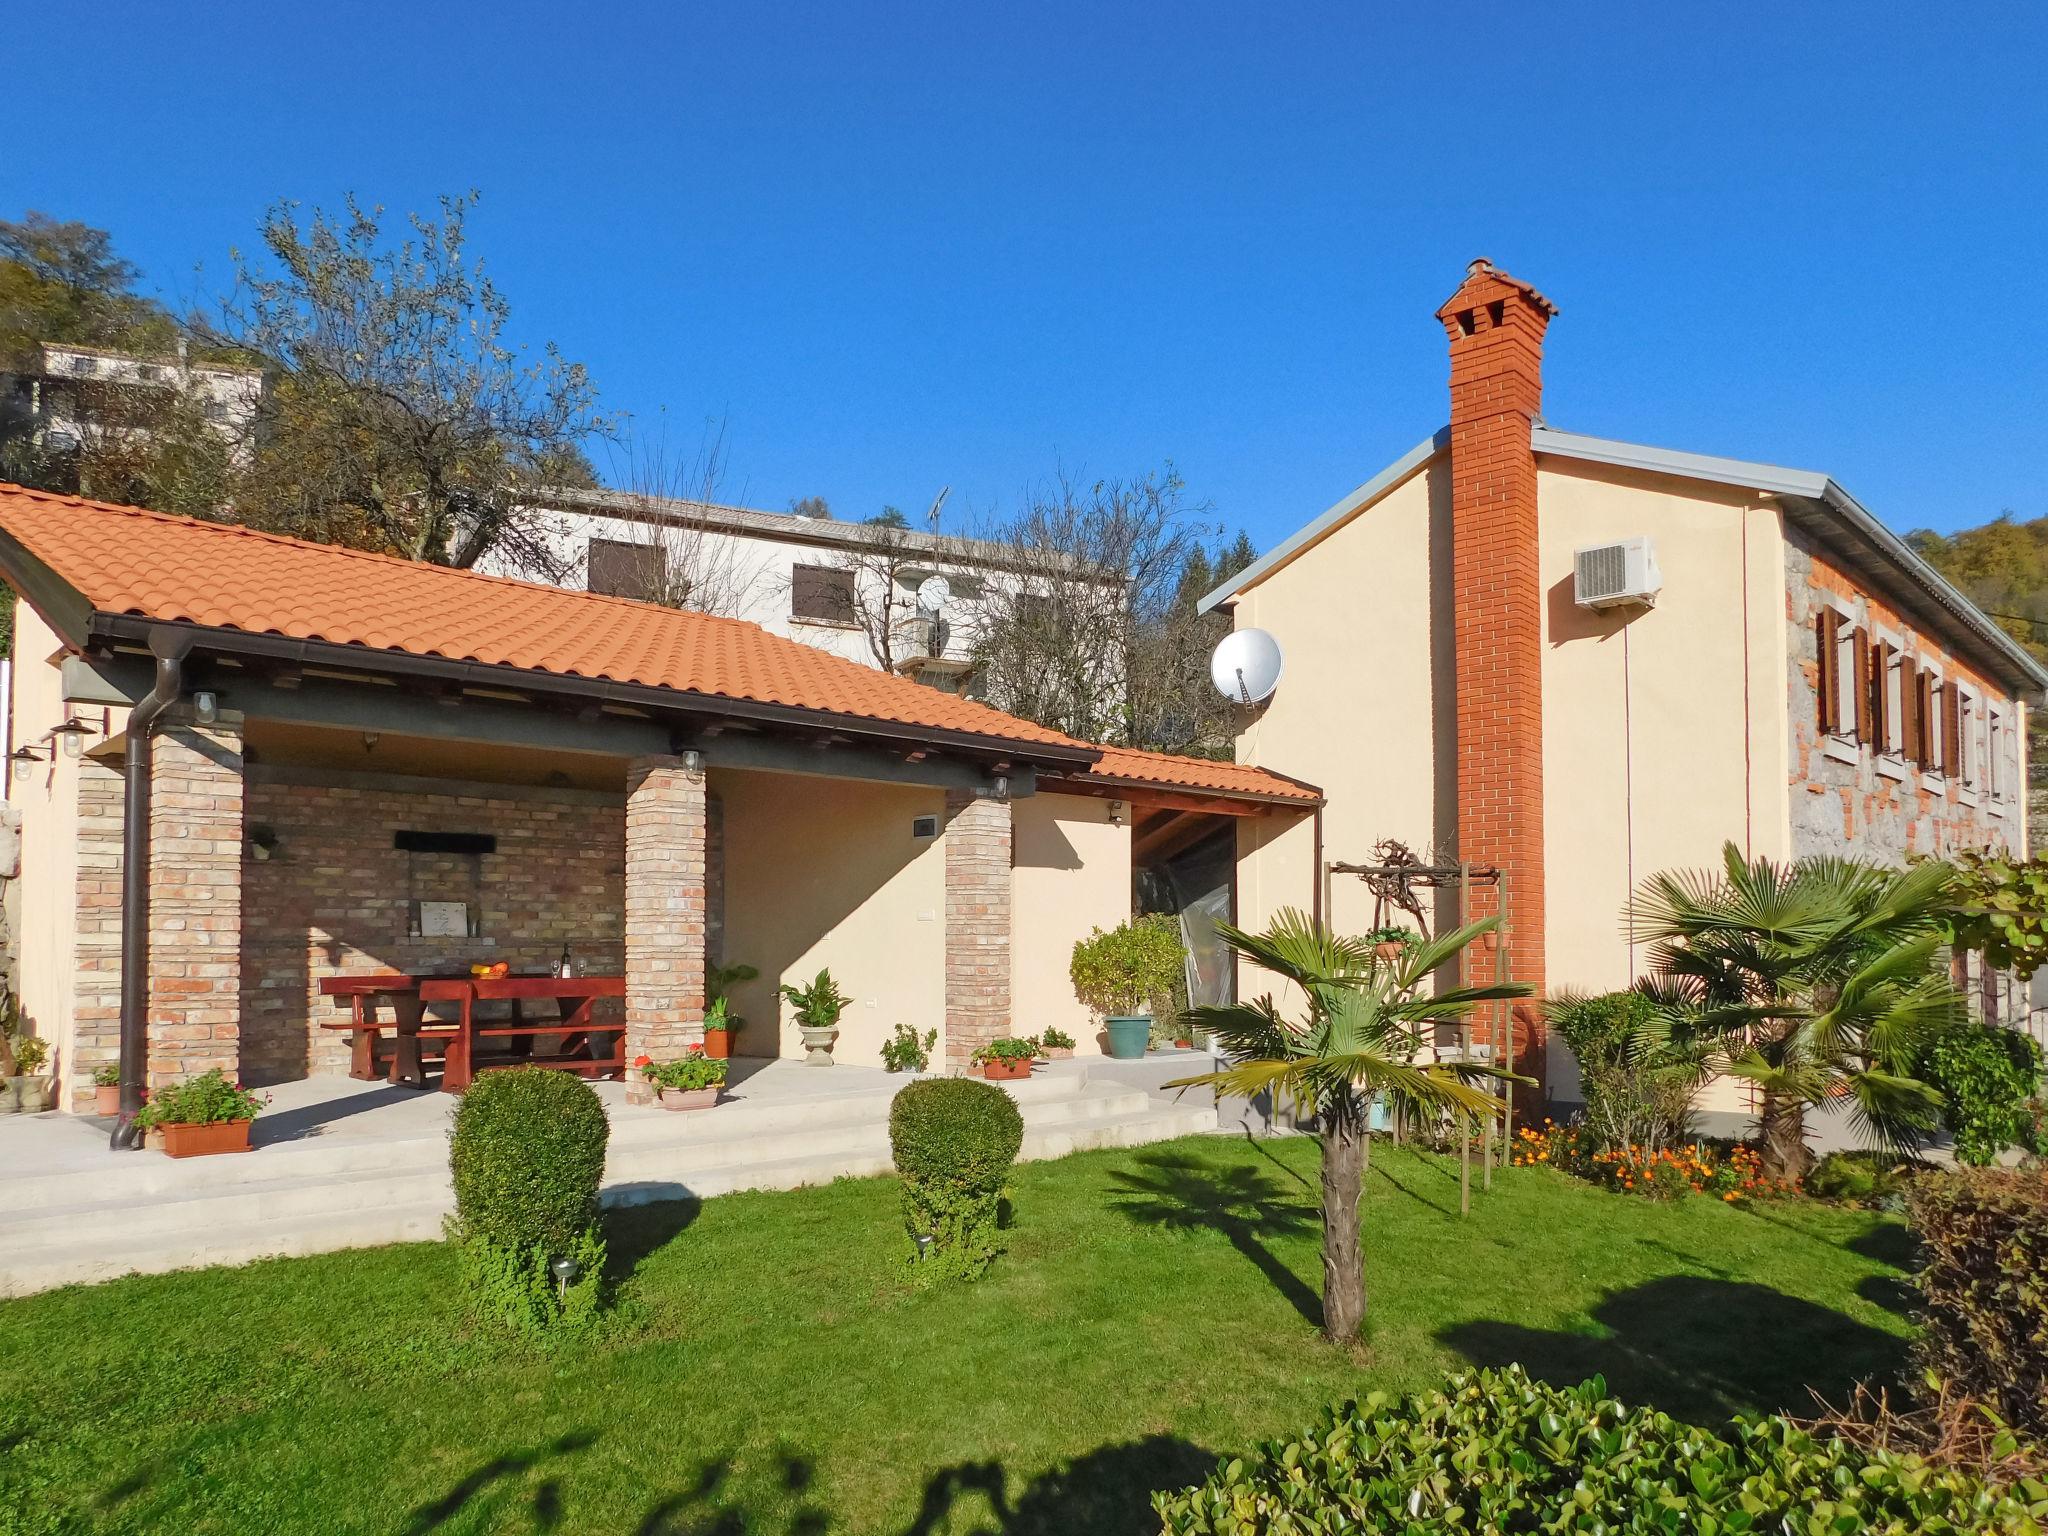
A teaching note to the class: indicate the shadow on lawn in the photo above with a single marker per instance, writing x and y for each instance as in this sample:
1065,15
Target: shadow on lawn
488,1482
1244,1205
1700,1349
1108,1490
633,1232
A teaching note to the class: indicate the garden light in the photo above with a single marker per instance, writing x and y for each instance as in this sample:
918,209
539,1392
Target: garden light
564,1269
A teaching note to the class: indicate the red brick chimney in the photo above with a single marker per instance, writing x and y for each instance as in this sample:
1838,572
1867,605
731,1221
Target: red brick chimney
1495,325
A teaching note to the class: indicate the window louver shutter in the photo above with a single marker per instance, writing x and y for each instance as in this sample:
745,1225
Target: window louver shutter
1829,681
1951,730
1864,715
1909,711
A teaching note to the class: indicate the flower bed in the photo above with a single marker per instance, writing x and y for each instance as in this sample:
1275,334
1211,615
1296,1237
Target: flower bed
1730,1171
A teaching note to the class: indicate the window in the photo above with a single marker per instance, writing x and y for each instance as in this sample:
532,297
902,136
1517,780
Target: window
1929,737
821,592
1969,738
619,569
1996,776
1891,736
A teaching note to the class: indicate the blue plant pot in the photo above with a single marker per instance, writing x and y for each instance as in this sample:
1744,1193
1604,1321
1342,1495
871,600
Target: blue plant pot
1128,1037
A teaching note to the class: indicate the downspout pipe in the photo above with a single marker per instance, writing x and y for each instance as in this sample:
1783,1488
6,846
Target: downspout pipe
170,650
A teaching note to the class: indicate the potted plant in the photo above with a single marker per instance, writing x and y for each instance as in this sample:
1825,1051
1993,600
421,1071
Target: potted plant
818,1007
28,1088
718,1030
201,1116
639,1082
1389,940
1056,1045
907,1051
692,1083
106,1089
1122,973
1003,1061
719,980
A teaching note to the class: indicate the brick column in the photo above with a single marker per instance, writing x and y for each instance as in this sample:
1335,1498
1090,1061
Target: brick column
195,899
96,938
1496,324
665,907
978,865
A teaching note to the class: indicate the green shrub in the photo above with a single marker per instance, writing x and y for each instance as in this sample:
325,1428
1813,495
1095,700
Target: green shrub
954,1140
908,1051
1639,1084
1987,1076
1494,1451
1859,1178
1984,1277
107,1075
1134,967
687,1074
30,1052
209,1099
528,1155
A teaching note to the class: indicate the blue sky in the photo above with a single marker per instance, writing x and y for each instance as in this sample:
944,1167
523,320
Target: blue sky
898,247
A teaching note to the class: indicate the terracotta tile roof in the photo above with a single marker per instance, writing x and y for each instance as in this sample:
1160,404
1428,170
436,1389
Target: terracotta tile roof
1197,773
125,561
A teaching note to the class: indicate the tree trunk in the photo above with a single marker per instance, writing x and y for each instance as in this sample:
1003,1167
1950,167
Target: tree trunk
1785,1154
1343,1250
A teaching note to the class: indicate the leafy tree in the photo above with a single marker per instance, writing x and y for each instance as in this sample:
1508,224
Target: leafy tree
1355,1041
1998,908
62,281
402,419
1820,978
889,517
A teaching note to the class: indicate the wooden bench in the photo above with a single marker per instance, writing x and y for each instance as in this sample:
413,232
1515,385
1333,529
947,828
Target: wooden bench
408,1024
574,998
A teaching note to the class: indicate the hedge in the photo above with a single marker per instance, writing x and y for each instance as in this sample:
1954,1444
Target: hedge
1494,1451
954,1140
1984,1276
528,1155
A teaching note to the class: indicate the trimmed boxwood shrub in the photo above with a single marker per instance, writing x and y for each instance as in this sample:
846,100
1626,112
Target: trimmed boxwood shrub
527,1156
1494,1451
954,1140
1984,1276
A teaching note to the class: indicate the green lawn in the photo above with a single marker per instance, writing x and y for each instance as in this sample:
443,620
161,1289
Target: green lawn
771,1372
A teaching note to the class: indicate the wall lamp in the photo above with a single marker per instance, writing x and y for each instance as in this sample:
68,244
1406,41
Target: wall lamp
24,760
693,761
205,707
71,734
1116,813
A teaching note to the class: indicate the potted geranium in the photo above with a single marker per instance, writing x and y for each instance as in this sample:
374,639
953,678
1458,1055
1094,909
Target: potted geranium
1003,1061
907,1051
692,1083
1388,941
818,1007
201,1116
1122,975
1056,1045
106,1089
30,1090
718,1030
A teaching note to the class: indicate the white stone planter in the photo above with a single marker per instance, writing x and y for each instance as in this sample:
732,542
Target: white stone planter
818,1044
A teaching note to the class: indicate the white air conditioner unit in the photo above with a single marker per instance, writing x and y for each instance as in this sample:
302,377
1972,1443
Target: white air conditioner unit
1616,575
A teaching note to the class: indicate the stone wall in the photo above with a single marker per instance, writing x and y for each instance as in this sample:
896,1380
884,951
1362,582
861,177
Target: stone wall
665,906
335,897
978,923
1843,800
195,900
96,942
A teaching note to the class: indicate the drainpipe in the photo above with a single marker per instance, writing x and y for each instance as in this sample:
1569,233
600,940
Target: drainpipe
170,650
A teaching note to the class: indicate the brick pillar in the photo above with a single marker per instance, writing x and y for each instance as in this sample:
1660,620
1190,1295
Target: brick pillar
977,923
665,907
1496,325
96,940
195,899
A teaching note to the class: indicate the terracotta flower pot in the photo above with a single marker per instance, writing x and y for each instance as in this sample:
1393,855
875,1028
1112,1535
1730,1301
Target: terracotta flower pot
1006,1071
1389,950
1184,1045
718,1044
205,1140
105,1100
688,1098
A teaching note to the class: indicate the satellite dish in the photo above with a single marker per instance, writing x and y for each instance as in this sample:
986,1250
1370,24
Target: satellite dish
1246,666
933,593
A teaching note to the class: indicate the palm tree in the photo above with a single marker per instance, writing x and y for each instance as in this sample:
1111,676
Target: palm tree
1819,978
1357,1040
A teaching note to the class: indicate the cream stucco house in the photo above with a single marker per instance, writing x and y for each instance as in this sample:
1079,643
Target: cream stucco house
1580,661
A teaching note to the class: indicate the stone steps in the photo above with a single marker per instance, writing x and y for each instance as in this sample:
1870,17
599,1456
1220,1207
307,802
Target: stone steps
142,1213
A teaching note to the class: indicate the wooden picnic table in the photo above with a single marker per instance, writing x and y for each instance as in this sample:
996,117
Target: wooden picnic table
574,997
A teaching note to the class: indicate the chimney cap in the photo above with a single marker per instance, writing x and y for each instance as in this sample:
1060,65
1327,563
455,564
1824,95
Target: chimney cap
1485,282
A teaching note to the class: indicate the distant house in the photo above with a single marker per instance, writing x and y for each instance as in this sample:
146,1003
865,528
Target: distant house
1577,661
73,392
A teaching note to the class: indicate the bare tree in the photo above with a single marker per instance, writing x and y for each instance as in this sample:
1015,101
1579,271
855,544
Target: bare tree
1095,633
402,419
886,561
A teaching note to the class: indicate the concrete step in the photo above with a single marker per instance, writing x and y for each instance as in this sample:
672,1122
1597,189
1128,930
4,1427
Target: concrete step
239,1219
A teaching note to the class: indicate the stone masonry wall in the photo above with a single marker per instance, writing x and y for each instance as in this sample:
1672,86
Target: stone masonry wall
665,907
978,901
96,942
1843,801
334,897
195,897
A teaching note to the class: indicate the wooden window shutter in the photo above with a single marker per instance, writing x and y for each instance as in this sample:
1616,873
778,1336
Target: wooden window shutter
821,592
1864,697
1829,681
1910,746
1951,730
